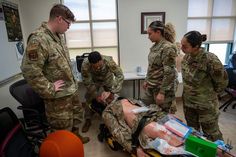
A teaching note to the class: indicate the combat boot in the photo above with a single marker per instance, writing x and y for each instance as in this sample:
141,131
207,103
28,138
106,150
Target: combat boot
83,139
86,125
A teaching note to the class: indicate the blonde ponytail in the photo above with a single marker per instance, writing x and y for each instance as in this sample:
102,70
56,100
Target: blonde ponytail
169,32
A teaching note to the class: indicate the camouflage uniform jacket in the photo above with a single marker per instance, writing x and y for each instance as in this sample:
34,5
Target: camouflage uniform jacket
113,117
161,73
45,61
203,77
110,76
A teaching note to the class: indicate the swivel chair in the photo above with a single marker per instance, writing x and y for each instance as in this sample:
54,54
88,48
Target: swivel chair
32,105
13,139
231,89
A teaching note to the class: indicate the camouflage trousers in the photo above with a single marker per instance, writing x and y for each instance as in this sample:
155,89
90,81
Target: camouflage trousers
169,105
64,113
207,120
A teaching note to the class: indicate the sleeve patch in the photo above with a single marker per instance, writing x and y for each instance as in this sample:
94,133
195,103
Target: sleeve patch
33,55
32,52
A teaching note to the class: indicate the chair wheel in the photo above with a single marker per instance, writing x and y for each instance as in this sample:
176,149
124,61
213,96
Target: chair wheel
100,137
234,106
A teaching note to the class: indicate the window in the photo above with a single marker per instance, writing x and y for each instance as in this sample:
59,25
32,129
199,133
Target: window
95,28
218,48
216,19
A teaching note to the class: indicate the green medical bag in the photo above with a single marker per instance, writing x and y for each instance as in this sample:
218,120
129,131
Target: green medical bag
200,147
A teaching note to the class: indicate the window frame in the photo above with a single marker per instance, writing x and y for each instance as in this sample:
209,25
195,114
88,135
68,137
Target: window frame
90,21
229,49
209,19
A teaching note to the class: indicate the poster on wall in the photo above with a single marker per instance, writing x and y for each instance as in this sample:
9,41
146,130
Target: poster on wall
1,14
12,21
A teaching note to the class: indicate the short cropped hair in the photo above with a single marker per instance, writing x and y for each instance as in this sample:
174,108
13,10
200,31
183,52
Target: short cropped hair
94,57
61,10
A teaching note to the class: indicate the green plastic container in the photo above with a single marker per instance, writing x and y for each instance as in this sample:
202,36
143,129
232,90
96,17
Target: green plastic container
200,147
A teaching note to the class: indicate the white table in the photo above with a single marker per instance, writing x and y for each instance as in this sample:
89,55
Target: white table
135,77
141,76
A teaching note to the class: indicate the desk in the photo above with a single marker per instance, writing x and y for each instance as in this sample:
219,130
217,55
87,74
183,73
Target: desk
138,77
133,77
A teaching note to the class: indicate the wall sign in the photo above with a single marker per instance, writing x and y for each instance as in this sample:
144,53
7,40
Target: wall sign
148,17
12,21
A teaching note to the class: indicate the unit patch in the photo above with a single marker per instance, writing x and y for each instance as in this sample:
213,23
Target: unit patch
32,52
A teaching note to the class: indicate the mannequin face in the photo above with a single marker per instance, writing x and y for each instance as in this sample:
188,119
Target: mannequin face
105,98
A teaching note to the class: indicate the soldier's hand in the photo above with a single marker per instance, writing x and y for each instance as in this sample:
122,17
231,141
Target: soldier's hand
92,88
58,84
160,99
145,84
141,153
116,89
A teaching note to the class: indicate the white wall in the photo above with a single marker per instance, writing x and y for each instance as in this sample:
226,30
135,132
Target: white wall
134,46
234,46
33,13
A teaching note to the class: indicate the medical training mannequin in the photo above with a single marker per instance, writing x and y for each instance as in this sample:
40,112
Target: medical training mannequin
122,121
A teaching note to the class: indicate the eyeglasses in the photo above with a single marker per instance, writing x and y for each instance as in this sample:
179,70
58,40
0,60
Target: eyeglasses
67,21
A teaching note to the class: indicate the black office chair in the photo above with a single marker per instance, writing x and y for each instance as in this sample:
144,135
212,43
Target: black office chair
80,59
13,140
32,105
231,89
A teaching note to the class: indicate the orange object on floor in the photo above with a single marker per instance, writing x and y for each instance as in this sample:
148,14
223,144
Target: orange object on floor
61,143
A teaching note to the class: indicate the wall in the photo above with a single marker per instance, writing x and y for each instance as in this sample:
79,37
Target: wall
9,63
134,46
34,12
234,47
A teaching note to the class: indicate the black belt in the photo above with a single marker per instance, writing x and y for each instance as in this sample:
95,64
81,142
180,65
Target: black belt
135,135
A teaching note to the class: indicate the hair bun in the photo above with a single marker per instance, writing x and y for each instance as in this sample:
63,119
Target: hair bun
204,37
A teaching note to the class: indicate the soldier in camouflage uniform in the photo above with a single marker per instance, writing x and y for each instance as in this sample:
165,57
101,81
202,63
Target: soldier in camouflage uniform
46,67
99,71
161,80
203,78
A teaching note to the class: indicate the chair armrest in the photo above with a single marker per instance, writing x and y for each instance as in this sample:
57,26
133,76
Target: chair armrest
27,109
